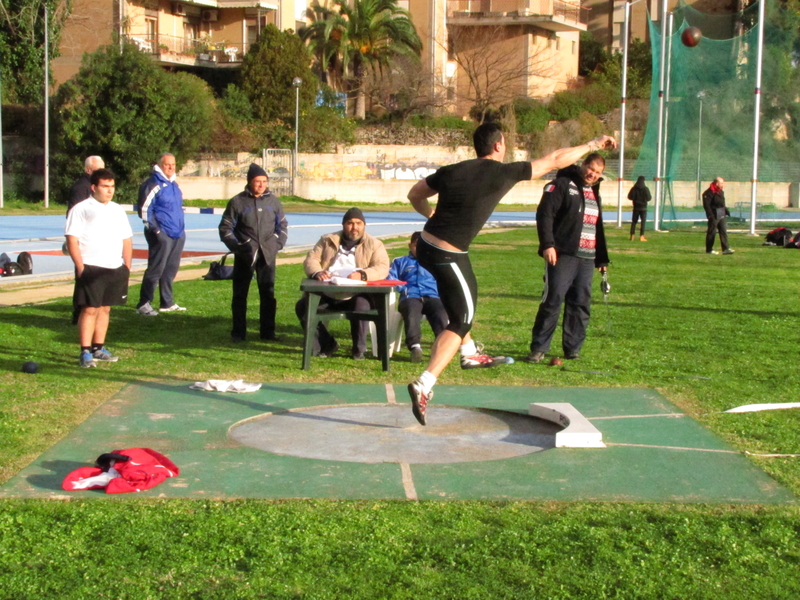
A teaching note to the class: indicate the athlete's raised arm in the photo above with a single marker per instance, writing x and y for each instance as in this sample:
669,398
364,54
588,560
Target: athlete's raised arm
566,156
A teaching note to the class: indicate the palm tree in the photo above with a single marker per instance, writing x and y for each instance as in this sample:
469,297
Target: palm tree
347,38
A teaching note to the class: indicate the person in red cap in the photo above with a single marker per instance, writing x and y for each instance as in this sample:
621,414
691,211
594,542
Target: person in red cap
254,228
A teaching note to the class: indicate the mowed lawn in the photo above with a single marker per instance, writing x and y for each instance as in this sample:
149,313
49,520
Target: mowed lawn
708,332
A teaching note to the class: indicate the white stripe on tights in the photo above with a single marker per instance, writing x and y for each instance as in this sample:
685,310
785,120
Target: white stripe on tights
467,294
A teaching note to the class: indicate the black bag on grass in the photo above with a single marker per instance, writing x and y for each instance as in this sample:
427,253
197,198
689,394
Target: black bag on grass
219,270
779,237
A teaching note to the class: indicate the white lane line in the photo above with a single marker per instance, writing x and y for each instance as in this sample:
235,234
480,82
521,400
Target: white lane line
408,482
635,416
390,397
674,448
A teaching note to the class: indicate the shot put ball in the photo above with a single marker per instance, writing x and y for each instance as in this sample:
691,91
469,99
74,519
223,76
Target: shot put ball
691,36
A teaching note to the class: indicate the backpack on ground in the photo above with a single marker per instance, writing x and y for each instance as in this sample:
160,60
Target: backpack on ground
778,237
25,261
218,270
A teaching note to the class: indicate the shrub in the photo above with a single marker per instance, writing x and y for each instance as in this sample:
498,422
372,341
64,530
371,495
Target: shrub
532,115
100,111
597,99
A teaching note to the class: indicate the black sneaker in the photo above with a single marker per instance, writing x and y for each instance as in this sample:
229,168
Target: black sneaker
416,354
571,355
328,352
358,356
534,357
419,401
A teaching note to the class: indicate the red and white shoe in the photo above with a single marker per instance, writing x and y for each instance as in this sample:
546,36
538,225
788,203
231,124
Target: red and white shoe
483,361
419,400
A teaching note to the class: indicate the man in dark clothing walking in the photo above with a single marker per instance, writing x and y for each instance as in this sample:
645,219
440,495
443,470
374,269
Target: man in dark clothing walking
640,196
572,242
254,228
714,205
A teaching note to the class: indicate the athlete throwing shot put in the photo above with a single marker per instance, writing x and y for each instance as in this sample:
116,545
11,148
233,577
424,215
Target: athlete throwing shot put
468,193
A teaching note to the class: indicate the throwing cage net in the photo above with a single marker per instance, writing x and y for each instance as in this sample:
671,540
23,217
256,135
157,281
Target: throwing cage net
709,109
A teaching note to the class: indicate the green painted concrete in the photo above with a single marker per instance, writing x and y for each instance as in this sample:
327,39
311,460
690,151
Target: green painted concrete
655,453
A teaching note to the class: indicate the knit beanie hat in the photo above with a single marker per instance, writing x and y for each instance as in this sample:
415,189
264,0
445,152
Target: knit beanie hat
353,213
255,171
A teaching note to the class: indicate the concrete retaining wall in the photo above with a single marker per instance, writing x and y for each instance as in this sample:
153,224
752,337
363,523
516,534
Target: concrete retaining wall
526,192
383,174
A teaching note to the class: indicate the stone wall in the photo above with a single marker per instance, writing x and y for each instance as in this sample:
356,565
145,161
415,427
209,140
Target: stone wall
384,174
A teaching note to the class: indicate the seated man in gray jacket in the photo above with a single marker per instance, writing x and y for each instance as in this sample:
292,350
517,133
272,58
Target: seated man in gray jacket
254,228
354,254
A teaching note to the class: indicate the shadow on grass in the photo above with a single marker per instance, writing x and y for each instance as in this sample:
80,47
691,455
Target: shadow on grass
59,470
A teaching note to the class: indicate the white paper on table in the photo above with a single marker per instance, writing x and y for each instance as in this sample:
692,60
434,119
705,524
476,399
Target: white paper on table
346,281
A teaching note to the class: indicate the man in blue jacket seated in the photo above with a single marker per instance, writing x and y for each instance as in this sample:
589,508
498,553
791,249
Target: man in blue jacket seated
161,210
418,297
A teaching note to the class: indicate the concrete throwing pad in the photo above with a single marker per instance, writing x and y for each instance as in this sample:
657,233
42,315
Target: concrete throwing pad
382,433
654,453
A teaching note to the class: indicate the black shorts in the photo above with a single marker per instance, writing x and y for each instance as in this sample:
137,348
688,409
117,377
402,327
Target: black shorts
458,288
98,286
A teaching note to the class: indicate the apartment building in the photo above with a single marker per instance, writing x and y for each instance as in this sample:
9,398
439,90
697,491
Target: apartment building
200,34
529,47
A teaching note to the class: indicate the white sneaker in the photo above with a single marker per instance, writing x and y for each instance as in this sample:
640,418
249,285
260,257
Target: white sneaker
173,308
147,310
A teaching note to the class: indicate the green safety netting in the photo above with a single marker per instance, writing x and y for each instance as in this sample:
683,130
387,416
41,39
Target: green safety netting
710,98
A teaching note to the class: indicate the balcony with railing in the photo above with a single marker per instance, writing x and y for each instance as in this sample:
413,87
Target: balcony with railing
554,15
169,49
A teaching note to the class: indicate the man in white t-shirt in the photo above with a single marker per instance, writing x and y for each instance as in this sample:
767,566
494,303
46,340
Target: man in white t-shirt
100,243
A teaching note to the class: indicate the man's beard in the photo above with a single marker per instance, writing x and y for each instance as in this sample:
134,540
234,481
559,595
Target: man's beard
349,242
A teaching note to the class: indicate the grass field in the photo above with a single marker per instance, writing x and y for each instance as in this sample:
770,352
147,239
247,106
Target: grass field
708,332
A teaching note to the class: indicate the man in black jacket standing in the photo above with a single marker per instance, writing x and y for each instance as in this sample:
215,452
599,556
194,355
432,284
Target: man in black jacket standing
254,228
714,205
82,188
640,196
572,242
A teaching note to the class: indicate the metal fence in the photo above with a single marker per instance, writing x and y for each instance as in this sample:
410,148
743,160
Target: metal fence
278,163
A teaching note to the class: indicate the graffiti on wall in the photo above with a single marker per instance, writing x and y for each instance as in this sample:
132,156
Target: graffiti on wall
311,167
366,170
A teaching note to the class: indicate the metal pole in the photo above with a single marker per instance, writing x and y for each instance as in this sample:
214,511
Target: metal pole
665,137
657,219
621,177
700,95
1,145
296,82
754,183
46,111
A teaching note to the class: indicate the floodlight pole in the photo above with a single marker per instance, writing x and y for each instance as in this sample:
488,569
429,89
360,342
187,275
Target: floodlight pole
46,111
621,177
1,144
759,60
657,220
667,90
296,82
700,96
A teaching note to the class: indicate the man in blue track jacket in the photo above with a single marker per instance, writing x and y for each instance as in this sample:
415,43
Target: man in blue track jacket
161,210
